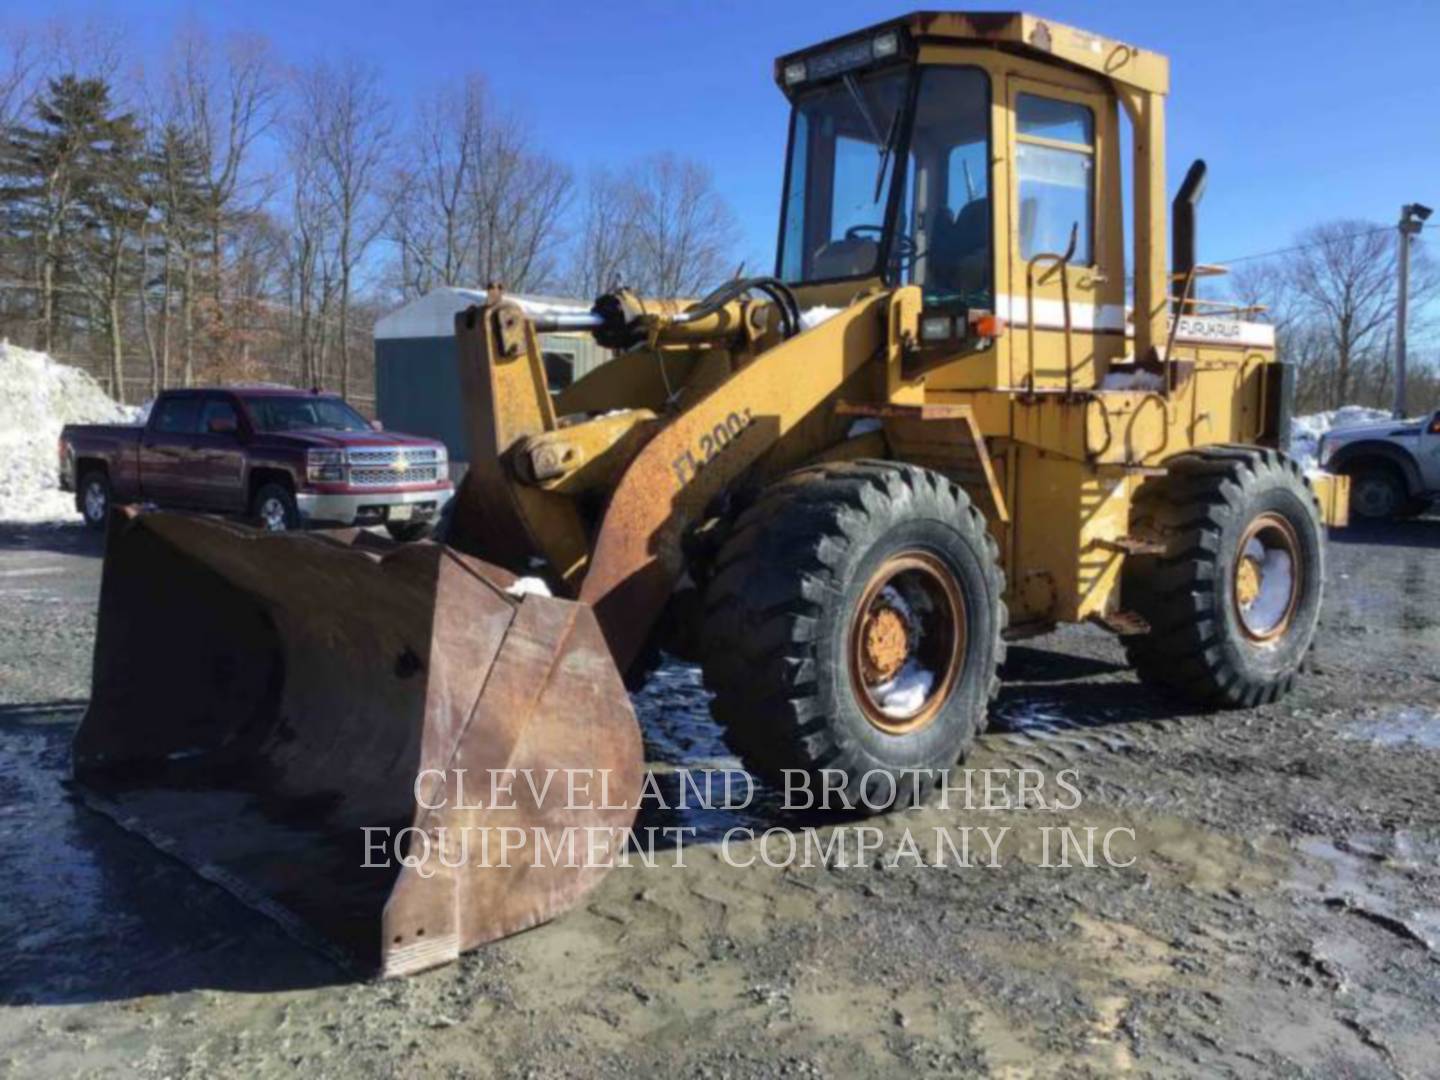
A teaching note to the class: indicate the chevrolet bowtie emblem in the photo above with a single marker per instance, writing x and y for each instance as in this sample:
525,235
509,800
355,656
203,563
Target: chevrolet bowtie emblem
400,464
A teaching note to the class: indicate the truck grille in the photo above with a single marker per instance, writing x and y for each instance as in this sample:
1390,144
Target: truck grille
424,474
392,466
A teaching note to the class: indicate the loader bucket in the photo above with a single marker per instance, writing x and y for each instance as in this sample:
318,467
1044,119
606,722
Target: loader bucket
276,710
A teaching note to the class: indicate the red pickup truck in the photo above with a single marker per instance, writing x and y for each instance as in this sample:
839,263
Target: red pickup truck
286,458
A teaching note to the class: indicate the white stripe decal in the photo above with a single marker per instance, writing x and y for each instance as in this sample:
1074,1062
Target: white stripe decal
1088,318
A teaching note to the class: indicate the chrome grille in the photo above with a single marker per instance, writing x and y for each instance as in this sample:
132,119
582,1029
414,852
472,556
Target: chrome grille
415,474
388,455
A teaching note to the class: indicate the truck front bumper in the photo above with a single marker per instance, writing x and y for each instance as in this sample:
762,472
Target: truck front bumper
372,508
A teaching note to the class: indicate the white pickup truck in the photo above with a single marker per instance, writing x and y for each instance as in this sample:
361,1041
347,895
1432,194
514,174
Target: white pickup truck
1393,465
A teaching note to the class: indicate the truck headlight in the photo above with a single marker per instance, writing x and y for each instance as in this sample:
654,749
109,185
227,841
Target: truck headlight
324,466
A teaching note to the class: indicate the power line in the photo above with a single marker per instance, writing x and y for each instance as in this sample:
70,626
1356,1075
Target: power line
1306,247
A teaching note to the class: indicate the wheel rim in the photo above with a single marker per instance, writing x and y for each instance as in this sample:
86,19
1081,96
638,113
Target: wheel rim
906,642
94,500
1375,497
272,514
1267,578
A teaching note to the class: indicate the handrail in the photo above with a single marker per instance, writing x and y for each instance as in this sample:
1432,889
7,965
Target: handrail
1062,263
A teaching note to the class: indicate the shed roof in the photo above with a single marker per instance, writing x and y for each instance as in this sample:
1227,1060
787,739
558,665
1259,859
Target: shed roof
433,315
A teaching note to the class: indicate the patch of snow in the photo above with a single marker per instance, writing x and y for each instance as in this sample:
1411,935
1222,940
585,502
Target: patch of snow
1305,431
38,397
813,317
903,695
529,586
1138,379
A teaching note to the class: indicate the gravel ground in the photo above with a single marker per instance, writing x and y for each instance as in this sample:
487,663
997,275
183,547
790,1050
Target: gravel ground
1279,917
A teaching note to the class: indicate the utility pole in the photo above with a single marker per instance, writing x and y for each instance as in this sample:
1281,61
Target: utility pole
1412,219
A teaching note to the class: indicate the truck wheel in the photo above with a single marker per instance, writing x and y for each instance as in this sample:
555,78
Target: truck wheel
94,498
274,507
853,624
1233,603
1377,493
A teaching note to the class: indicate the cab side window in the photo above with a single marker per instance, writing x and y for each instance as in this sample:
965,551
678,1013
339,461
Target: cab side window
1055,163
179,416
221,410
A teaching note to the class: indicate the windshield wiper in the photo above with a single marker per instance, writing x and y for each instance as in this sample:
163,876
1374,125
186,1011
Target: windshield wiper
883,144
885,155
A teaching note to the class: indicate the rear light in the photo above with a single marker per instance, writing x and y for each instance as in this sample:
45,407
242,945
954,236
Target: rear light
325,466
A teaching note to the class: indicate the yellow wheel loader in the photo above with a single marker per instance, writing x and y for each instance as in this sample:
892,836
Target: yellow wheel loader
944,422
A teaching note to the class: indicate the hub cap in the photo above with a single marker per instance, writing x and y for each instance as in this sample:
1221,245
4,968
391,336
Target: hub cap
1268,578
272,515
907,642
94,500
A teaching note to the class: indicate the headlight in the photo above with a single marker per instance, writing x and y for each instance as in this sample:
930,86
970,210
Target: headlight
936,327
324,466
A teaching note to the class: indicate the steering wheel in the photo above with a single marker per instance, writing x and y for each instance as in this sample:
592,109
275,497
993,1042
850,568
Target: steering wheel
903,249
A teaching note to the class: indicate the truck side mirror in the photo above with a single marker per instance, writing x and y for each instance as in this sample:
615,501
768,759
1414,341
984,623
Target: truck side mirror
377,425
222,425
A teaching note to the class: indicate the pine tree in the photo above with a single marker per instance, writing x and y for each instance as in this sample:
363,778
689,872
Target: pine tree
46,168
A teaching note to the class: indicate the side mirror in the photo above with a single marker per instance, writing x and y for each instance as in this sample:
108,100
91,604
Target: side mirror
377,425
223,425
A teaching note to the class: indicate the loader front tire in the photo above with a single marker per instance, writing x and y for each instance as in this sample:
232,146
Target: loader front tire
1233,602
852,631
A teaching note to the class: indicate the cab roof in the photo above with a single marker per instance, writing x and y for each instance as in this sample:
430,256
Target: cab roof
1013,31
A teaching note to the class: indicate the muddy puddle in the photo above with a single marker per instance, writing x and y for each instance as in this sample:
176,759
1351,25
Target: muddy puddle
91,912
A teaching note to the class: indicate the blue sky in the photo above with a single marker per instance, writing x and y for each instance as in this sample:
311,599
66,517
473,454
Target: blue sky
1304,111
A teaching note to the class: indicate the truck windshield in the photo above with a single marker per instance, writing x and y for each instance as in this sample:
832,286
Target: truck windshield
303,414
841,174
842,162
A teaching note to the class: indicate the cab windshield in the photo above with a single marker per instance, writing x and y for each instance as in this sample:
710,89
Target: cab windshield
279,413
852,141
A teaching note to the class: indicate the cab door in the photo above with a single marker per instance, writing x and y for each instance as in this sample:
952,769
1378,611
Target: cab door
1062,164
221,455
166,449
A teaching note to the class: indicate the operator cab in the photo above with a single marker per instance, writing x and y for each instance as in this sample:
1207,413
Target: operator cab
889,174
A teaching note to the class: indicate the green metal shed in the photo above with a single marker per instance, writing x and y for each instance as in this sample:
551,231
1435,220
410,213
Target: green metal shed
417,380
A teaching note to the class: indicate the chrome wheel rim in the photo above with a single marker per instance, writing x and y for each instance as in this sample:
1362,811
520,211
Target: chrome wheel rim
94,500
272,515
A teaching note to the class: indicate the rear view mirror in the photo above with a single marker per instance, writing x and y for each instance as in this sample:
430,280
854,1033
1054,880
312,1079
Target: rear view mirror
222,425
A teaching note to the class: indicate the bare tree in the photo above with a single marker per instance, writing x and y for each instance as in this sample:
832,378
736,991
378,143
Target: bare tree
350,126
432,223
601,257
682,233
224,103
1344,276
18,67
311,229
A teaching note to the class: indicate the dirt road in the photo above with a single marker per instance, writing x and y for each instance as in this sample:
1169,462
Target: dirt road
1279,916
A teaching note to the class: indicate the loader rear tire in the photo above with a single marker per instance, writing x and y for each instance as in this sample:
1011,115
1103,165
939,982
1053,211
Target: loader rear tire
1234,601
840,587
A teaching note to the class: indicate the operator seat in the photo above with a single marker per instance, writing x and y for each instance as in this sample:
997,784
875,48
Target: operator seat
959,258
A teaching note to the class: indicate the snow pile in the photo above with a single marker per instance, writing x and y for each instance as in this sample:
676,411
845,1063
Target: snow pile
37,398
1305,431
1133,379
813,317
